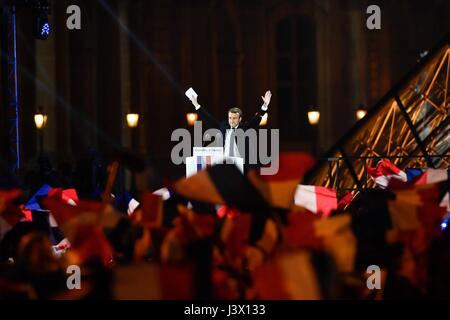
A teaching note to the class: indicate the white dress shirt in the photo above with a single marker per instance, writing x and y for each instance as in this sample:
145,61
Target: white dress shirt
229,150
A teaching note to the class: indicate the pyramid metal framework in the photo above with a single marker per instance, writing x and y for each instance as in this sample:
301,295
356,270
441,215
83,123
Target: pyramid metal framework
410,125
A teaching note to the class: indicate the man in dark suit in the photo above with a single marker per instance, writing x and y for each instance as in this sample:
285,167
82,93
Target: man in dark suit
228,128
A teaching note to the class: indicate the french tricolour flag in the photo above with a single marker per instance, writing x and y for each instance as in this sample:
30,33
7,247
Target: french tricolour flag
316,199
203,162
427,176
163,192
69,196
384,172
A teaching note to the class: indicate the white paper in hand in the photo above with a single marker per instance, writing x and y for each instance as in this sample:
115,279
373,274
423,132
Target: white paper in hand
190,92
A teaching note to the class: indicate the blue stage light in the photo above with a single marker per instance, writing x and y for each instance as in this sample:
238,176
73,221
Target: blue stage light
445,222
45,31
43,27
41,11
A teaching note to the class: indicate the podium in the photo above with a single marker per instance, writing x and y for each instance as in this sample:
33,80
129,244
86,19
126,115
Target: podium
204,157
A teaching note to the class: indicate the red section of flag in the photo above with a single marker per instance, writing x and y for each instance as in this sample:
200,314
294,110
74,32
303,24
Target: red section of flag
300,231
291,166
70,194
289,275
383,168
63,212
326,200
416,215
91,244
152,210
26,213
67,195
345,200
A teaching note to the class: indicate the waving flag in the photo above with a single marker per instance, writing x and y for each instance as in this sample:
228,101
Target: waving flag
125,202
279,189
163,192
418,208
417,177
427,176
334,235
82,225
225,184
91,244
32,203
70,217
345,200
384,172
316,199
222,184
152,212
69,196
416,218
289,276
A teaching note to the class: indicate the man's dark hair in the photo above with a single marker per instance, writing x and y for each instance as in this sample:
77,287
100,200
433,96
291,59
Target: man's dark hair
236,110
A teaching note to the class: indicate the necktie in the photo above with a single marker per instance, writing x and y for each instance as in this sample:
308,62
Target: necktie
232,142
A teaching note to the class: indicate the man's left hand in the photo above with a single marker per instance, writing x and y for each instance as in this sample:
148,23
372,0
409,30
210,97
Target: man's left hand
266,99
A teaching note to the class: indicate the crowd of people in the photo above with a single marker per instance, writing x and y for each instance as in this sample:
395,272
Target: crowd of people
199,239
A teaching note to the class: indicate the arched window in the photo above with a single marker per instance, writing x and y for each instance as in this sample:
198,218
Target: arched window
295,44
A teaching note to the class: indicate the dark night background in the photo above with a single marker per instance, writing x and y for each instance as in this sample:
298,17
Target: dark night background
308,53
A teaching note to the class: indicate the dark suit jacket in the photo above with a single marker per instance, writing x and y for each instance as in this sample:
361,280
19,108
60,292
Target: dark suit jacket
212,122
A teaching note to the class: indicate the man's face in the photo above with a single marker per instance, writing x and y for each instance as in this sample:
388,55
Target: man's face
233,119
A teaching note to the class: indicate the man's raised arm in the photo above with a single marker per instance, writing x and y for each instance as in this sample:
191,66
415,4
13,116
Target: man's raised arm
204,114
254,122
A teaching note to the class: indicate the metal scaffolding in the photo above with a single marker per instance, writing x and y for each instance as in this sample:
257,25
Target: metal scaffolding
410,125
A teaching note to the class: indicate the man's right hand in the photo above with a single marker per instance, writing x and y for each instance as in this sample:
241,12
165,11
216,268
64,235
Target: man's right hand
194,102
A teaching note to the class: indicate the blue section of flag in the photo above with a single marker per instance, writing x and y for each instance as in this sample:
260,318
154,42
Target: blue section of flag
199,163
122,200
33,204
413,173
